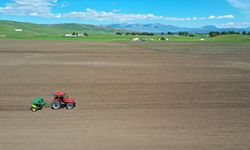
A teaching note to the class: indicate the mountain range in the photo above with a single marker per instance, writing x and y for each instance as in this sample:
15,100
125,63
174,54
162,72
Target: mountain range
158,28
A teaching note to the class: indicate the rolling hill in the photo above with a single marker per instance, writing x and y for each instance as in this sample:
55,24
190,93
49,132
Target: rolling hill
7,28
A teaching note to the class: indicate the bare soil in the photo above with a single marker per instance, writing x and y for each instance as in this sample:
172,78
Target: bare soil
141,96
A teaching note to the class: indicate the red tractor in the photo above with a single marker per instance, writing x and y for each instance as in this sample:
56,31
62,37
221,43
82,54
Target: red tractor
61,100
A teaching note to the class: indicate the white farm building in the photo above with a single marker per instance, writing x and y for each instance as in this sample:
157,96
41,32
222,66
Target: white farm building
19,30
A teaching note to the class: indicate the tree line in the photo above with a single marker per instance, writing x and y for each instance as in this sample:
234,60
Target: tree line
211,33
152,34
135,33
216,33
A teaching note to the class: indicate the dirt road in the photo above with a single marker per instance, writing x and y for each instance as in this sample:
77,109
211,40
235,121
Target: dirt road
141,96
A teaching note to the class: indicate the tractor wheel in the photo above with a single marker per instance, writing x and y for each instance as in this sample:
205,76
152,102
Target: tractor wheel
69,106
56,105
33,109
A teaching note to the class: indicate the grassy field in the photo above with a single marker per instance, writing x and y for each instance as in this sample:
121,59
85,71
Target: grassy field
196,48
231,38
56,32
224,38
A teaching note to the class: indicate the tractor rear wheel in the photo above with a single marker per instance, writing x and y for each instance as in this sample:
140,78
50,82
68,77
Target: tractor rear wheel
56,105
69,106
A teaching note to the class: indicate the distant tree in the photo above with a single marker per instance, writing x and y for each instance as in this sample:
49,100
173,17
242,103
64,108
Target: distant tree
223,33
162,39
244,33
74,33
233,32
162,33
147,33
136,33
183,33
170,33
118,33
213,34
85,34
133,33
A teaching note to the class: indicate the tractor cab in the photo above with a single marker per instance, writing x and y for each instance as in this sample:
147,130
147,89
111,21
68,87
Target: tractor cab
61,96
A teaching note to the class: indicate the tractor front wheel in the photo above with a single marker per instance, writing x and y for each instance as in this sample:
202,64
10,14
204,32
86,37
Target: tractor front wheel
56,105
33,109
69,106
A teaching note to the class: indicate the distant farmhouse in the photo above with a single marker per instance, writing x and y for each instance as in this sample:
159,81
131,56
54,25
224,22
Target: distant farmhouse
139,39
149,39
19,30
76,34
136,39
69,35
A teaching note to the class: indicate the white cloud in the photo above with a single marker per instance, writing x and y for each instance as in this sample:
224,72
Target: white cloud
30,8
199,18
236,25
243,5
44,8
92,14
221,17
64,3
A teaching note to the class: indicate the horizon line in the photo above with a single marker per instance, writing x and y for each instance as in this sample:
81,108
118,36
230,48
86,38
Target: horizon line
123,23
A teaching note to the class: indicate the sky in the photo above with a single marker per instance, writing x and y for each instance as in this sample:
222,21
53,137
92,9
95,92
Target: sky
184,13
